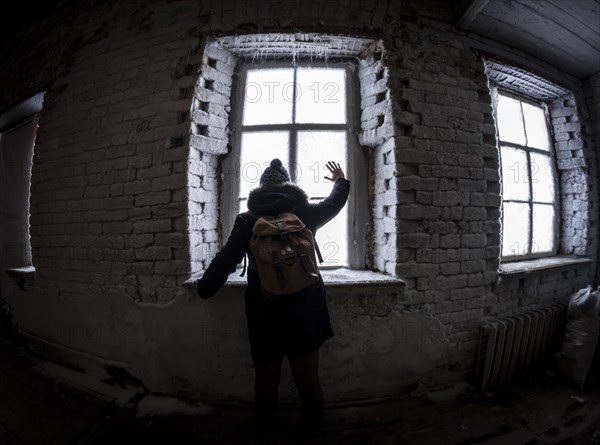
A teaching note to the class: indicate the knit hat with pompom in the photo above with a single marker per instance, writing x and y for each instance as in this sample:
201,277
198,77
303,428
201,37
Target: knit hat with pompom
275,173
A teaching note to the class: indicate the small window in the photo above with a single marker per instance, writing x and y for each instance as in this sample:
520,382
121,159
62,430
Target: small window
299,114
529,181
18,131
16,153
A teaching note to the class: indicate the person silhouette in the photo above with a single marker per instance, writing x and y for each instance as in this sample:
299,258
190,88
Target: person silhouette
295,326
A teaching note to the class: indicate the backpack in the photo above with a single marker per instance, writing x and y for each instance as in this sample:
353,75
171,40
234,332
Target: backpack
284,251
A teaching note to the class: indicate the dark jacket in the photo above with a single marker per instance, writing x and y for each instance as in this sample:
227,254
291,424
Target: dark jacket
296,324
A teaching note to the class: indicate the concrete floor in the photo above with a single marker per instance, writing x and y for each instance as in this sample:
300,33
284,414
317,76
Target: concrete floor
35,409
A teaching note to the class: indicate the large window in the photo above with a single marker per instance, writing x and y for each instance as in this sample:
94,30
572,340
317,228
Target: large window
307,99
302,115
529,182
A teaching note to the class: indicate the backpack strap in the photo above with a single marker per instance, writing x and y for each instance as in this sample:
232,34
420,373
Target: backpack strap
255,216
244,268
317,250
285,240
319,256
304,262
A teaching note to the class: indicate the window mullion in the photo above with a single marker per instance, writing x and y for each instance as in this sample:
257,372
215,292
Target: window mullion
530,236
523,123
529,183
308,126
294,90
293,148
524,147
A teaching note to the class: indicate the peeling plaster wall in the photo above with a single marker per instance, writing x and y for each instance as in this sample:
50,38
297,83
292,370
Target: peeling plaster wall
110,215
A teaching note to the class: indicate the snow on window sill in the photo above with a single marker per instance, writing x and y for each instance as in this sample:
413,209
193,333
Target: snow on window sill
333,278
339,278
21,272
523,268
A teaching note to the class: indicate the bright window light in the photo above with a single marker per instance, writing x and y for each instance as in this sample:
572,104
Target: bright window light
300,116
529,210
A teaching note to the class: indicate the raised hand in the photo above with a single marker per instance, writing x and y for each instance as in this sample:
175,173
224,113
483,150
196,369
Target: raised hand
335,170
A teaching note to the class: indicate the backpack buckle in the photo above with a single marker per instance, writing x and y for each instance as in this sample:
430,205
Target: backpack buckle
284,238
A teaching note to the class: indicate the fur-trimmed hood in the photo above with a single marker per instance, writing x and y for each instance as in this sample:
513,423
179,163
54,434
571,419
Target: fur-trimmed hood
273,199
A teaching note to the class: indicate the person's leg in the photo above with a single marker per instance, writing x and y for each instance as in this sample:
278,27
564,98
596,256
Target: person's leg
305,369
266,385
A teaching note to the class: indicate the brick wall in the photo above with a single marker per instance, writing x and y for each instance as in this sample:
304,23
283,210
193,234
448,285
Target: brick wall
125,184
591,95
570,140
108,194
447,187
209,138
378,132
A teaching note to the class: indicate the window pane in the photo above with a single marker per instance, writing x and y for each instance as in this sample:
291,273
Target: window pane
258,149
510,123
268,96
243,205
332,239
543,228
515,182
536,127
321,95
315,148
515,229
542,178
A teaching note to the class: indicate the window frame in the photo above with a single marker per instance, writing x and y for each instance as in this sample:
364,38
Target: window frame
26,111
551,153
356,156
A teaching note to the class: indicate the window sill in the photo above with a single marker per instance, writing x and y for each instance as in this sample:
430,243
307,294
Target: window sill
20,274
339,278
333,278
520,269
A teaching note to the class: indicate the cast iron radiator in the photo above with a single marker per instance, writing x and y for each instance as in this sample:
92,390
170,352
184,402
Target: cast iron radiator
511,347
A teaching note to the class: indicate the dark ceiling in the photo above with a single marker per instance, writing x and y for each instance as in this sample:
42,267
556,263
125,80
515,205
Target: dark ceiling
564,33
23,14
